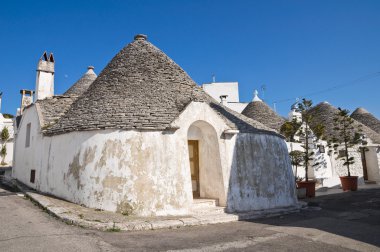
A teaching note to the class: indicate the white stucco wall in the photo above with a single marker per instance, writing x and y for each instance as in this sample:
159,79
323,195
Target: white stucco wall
372,159
44,85
261,176
237,106
6,122
27,158
147,172
231,89
216,89
320,167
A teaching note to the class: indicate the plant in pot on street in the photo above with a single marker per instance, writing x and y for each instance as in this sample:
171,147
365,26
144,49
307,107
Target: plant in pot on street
346,135
296,157
306,136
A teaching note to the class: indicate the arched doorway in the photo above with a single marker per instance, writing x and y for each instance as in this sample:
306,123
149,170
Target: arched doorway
205,163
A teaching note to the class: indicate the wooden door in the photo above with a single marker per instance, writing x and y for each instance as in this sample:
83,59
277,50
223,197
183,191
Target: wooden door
364,163
194,166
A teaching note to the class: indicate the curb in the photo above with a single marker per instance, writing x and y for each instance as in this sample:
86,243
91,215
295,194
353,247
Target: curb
65,215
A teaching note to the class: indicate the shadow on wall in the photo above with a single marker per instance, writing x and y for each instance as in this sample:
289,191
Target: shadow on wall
261,174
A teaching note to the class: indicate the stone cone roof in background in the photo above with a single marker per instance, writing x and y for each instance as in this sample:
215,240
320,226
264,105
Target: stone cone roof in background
324,114
82,84
53,108
261,112
142,88
366,118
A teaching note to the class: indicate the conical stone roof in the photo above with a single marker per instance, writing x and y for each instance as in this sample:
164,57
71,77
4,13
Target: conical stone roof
366,118
82,84
142,88
261,112
324,114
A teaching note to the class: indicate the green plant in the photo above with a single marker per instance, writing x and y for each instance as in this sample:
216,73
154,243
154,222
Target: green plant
289,129
8,116
296,158
113,228
307,134
346,134
4,137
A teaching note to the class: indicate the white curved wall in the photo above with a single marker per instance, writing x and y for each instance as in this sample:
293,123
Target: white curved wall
147,172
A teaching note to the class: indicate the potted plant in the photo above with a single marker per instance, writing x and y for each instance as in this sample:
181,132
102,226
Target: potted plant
306,135
296,158
346,135
4,137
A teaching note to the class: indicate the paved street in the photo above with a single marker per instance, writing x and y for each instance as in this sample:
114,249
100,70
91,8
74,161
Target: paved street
343,222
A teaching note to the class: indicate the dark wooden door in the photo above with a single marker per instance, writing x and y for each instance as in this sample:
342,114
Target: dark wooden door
364,163
194,166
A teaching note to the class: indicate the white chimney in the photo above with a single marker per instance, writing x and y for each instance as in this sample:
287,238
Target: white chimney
45,77
223,99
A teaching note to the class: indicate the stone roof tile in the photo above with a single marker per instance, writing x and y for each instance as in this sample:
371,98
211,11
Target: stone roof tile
261,112
366,118
324,114
142,88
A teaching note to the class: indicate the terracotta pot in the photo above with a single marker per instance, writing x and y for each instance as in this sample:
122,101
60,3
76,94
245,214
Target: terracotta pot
301,193
310,187
349,183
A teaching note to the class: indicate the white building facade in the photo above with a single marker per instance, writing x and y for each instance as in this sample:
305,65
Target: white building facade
121,148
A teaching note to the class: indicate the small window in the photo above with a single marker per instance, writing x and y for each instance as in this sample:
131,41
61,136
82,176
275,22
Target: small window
27,140
341,153
32,176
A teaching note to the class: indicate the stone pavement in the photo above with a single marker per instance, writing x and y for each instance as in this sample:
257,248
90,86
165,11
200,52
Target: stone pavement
108,221
340,222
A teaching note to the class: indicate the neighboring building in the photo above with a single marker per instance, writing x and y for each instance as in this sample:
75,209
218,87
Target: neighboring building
366,118
8,123
367,159
261,112
320,167
144,139
226,93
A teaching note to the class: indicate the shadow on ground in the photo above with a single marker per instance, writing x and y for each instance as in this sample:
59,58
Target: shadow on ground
354,215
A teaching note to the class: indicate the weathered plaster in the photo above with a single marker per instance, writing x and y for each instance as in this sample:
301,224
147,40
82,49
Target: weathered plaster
147,172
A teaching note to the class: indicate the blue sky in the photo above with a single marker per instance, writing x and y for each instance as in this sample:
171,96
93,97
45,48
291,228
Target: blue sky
294,48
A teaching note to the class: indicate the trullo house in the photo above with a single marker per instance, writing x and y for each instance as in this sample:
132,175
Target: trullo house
366,154
366,118
144,139
320,166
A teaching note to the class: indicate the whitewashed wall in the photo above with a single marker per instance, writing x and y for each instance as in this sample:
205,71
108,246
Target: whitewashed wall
216,89
231,89
322,171
26,159
372,159
147,172
6,122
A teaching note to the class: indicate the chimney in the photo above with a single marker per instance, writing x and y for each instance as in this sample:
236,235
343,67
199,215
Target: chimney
45,77
223,99
26,98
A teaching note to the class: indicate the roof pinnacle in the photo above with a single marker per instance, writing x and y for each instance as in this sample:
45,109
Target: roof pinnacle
255,96
141,37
